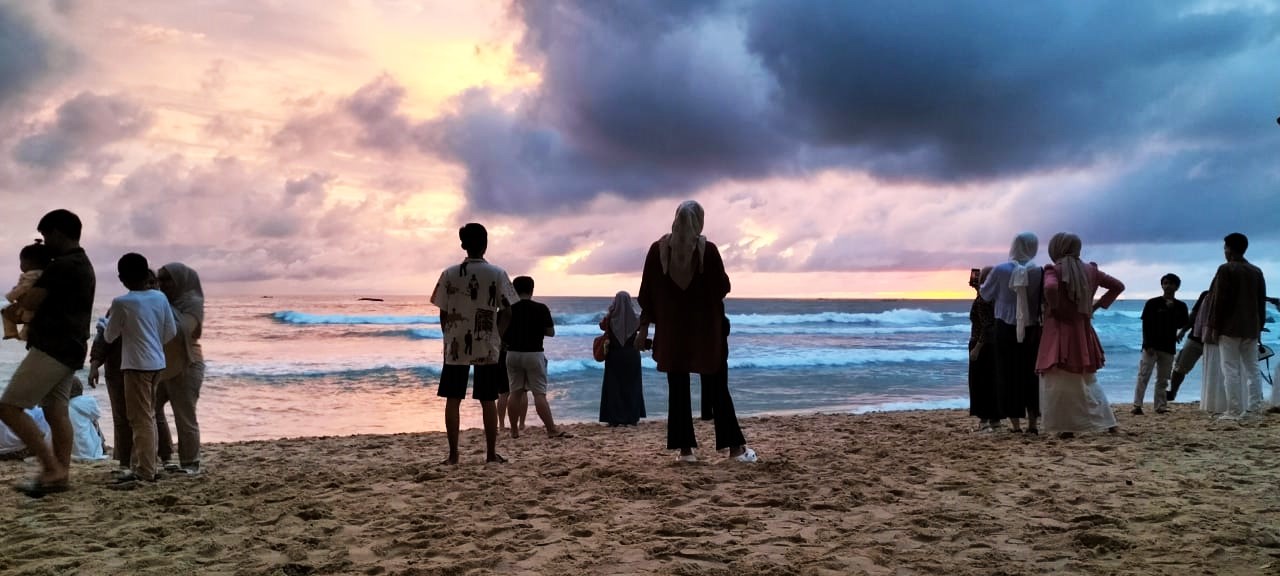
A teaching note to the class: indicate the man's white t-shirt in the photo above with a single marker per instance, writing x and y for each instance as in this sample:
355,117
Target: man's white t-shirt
145,321
469,296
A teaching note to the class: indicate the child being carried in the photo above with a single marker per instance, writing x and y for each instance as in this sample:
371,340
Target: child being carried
32,260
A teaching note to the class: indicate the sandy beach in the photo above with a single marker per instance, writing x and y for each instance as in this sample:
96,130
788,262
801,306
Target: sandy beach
888,493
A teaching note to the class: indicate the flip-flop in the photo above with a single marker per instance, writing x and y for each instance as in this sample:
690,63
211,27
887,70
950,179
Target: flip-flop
562,434
497,459
36,488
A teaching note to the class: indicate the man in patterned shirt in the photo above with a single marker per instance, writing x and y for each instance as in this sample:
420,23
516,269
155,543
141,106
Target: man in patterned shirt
472,336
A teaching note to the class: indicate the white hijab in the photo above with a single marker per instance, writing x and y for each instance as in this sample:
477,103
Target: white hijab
684,244
623,318
1021,253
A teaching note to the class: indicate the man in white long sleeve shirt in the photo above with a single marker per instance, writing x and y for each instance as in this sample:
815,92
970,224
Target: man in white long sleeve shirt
145,322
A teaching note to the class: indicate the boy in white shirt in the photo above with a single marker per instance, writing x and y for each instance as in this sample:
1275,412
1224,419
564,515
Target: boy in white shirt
145,322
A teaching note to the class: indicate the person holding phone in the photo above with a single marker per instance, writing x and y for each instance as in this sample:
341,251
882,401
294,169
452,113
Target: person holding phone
983,402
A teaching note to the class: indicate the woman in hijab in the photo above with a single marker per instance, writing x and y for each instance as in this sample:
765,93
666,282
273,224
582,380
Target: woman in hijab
182,378
1070,354
682,292
1014,288
621,395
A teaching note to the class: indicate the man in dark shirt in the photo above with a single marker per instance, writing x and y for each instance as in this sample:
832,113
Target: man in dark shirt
57,343
1191,351
526,362
1161,318
1239,311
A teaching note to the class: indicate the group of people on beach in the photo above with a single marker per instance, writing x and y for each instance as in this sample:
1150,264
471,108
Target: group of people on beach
1034,354
1224,327
492,324
147,348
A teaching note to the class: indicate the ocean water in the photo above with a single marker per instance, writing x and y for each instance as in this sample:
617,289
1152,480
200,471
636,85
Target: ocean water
319,366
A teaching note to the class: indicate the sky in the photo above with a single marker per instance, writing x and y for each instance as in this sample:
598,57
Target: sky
840,149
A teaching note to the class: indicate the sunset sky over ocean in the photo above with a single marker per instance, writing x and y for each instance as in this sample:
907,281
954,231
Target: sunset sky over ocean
841,149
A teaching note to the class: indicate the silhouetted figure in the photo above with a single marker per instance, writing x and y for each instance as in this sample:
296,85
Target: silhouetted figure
682,291
57,343
1162,316
621,392
984,401
526,362
476,323
1239,312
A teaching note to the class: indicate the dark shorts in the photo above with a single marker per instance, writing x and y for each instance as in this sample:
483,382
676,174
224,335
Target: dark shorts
489,380
504,381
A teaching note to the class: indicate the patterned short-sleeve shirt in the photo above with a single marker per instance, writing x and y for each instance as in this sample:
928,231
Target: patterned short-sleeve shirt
469,296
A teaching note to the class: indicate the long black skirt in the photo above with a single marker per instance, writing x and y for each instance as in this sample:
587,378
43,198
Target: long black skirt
1017,384
984,402
621,394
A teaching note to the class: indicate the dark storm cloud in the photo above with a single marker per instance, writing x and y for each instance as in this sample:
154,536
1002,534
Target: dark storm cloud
637,99
658,99
971,89
26,55
1185,197
83,126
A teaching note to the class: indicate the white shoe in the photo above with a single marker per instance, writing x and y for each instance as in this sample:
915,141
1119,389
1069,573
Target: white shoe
749,456
1229,416
691,458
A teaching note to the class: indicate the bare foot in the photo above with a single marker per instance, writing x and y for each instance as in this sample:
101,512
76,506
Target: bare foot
450,461
495,458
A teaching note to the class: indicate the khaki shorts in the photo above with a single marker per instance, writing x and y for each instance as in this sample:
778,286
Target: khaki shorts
39,381
527,371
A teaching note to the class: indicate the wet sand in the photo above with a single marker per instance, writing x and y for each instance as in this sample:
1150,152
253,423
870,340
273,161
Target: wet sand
894,493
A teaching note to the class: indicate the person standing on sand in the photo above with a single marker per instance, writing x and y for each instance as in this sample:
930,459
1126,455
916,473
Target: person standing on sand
57,343
682,291
1213,395
184,376
621,393
1161,317
1015,287
104,366
456,291
1190,352
143,322
984,403
1070,353
1239,303
715,389
526,362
